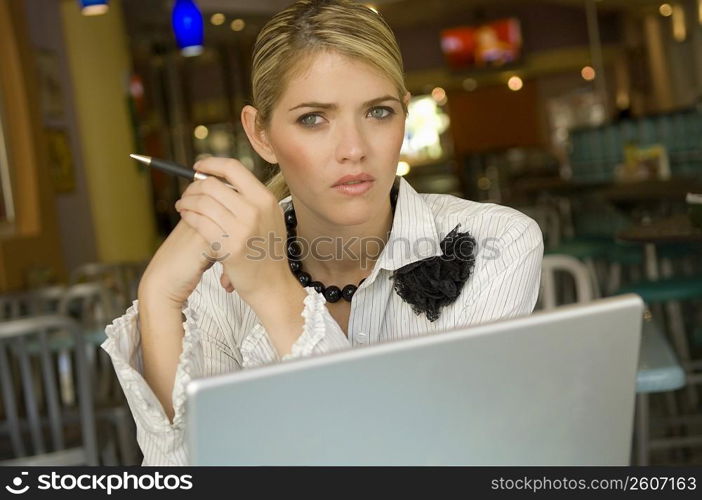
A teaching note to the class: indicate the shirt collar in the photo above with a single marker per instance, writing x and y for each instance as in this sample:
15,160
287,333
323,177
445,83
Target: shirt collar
414,235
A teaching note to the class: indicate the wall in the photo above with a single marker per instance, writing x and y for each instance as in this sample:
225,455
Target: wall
72,206
670,75
35,242
494,118
119,192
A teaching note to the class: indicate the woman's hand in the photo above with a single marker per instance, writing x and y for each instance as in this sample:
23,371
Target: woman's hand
244,228
176,268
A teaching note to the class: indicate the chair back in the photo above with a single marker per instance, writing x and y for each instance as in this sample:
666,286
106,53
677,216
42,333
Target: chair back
15,305
549,221
93,306
550,292
41,428
122,278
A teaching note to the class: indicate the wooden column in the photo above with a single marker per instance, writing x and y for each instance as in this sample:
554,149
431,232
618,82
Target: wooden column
34,242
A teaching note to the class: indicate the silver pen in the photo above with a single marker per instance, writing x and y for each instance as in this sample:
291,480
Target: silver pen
176,169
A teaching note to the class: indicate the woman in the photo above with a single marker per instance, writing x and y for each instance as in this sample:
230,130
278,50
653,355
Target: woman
371,259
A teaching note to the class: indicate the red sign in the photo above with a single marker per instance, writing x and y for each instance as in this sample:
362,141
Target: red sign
486,45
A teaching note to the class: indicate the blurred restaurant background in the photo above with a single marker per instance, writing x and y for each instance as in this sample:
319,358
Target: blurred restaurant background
586,115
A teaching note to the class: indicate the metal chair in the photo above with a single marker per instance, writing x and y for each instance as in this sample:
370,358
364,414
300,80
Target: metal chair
120,277
93,306
26,357
671,292
553,264
15,305
659,371
549,221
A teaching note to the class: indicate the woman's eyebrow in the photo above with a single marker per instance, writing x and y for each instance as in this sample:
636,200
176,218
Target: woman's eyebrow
326,105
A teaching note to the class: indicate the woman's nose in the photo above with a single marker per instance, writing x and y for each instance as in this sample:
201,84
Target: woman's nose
351,143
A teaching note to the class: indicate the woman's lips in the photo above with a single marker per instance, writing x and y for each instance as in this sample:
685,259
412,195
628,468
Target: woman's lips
354,189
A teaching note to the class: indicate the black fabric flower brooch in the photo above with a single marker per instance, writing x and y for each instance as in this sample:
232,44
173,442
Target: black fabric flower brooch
435,282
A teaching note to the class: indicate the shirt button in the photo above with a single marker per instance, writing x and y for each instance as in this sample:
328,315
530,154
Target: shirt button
362,338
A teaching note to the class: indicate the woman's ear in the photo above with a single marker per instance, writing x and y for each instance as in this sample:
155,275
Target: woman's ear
406,99
257,136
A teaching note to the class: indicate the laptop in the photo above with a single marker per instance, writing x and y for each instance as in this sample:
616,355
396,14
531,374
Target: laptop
551,388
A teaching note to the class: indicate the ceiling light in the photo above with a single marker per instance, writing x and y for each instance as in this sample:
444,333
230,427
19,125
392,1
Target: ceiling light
93,7
515,83
188,27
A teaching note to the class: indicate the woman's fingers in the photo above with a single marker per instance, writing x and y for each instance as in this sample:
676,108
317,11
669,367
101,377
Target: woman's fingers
249,211
236,174
228,198
205,227
209,207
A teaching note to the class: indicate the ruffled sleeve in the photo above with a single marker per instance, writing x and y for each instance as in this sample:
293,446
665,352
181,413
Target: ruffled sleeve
320,334
209,348
205,352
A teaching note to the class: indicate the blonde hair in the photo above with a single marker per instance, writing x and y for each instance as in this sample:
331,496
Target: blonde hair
306,28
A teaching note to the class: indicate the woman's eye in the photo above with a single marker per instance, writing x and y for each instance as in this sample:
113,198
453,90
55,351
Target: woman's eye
381,112
309,120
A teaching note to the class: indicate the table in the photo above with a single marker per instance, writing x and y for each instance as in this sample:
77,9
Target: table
555,185
651,191
673,229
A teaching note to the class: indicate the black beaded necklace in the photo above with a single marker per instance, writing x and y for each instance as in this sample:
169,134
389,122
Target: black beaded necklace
331,293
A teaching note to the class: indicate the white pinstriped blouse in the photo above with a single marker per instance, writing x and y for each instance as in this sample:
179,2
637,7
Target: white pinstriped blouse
223,334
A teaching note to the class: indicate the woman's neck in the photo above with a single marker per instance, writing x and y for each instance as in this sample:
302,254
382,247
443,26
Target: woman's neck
339,255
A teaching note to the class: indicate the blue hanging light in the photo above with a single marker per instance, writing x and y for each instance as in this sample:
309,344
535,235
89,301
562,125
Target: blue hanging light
93,7
188,27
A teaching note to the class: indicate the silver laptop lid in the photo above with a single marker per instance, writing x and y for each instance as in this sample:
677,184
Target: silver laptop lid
552,388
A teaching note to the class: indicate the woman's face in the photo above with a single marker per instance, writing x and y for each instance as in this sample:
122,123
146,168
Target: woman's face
338,117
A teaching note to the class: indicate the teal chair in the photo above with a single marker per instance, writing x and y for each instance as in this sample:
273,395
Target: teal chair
659,370
679,258
670,292
665,290
606,260
596,224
